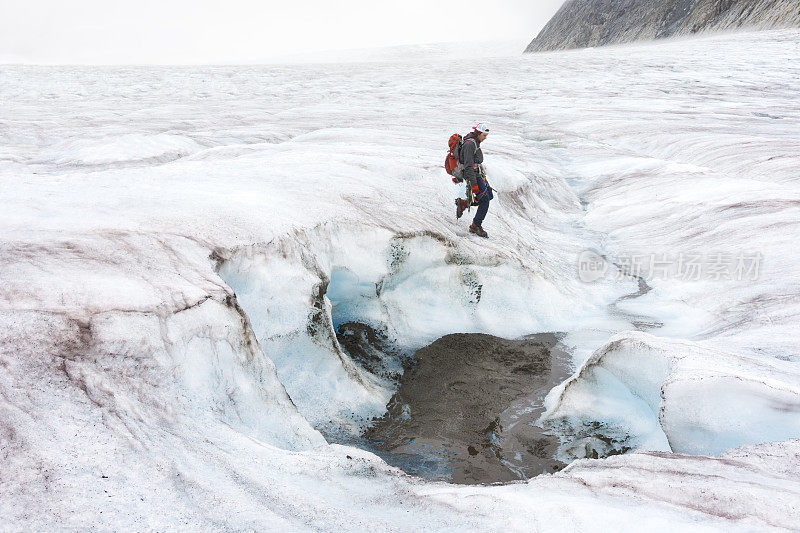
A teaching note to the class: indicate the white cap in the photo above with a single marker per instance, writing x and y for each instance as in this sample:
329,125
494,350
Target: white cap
481,127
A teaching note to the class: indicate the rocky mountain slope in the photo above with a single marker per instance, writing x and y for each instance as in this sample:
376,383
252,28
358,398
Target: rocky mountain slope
582,23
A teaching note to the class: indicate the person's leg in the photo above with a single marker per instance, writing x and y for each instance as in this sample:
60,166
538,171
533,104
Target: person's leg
461,206
483,208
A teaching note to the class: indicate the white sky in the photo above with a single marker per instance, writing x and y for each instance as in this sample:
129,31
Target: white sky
247,31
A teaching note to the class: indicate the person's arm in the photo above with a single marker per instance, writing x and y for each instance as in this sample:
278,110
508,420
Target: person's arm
468,150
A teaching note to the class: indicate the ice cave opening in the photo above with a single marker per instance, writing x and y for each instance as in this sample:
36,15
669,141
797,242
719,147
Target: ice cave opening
454,404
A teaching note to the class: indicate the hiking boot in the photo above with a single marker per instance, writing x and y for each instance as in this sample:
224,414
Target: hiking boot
461,206
477,230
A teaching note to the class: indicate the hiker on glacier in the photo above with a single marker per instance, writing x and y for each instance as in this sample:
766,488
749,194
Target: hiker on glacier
478,190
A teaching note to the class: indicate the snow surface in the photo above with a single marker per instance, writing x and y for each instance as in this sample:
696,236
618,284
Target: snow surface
178,245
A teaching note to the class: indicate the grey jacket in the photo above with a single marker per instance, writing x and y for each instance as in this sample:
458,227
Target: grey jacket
471,155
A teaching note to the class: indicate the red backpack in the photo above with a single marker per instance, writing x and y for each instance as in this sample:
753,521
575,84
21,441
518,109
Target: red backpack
451,163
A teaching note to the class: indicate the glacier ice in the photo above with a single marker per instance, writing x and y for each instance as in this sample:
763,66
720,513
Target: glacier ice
178,246
662,394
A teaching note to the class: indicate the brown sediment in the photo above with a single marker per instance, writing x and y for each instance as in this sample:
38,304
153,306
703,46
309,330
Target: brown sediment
468,406
371,350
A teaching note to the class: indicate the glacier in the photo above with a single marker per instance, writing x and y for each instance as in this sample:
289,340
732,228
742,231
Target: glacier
179,245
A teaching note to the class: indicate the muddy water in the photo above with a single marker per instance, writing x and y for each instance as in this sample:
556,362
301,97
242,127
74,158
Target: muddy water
465,411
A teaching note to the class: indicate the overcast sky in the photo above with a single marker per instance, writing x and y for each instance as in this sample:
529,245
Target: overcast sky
247,31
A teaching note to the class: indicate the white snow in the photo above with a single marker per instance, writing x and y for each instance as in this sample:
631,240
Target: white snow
157,148
179,243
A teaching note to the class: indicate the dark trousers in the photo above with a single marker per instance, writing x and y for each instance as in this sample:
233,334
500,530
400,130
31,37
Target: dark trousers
483,203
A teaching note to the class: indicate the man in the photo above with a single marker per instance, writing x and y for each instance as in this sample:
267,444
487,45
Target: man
471,156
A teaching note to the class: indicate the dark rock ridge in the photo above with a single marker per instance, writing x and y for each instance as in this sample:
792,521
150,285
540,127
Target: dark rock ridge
582,23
